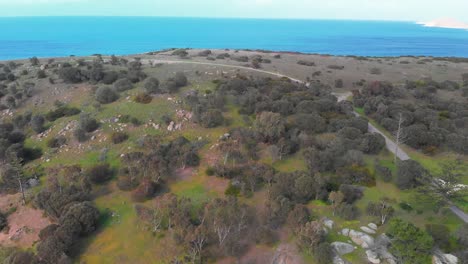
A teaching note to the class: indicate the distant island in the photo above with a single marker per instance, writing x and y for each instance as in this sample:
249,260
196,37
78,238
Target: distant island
446,23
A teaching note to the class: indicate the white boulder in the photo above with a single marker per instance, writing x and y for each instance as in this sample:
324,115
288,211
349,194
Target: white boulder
342,248
361,239
367,230
345,232
328,223
372,256
373,226
444,259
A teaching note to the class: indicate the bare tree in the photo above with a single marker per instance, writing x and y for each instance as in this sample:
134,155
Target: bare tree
198,240
382,209
15,164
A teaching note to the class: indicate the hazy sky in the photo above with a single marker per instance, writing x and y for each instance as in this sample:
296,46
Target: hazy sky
412,10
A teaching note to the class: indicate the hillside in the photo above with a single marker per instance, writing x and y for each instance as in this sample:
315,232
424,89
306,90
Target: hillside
233,156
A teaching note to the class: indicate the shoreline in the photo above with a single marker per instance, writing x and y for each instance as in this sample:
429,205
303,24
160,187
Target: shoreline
262,51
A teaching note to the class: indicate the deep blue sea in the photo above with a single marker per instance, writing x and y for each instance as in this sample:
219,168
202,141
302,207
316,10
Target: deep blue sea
63,36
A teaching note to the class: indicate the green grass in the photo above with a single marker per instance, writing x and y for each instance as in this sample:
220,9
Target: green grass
124,238
192,190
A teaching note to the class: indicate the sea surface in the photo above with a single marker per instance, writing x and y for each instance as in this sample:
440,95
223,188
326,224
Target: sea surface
24,37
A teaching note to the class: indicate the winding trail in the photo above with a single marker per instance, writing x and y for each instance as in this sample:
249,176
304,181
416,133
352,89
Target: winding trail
390,144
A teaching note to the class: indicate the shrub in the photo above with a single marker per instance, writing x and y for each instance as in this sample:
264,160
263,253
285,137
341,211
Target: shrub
143,98
152,86
204,53
34,61
87,123
409,243
145,191
41,74
335,67
348,212
180,79
119,137
440,234
170,86
323,253
210,171
409,173
306,63
126,183
384,172
80,134
232,190
375,71
180,52
123,85
222,56
106,95
405,206
37,123
71,75
241,59
62,111
339,83
212,118
99,173
110,77
191,159
56,142
3,221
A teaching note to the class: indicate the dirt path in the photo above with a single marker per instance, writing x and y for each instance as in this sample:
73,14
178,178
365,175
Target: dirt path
277,74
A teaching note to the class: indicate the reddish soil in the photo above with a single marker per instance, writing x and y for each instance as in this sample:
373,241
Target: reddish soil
24,224
184,174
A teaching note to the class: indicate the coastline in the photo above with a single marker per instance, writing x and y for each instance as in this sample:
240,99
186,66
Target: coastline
261,51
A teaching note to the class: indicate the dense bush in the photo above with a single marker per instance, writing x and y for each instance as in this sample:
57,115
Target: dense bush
204,53
143,98
37,123
212,118
152,86
119,137
408,174
409,243
123,85
62,111
306,63
180,52
106,95
180,79
71,75
110,77
87,123
99,173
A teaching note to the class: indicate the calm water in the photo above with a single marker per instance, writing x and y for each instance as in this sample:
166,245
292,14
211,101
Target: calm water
64,36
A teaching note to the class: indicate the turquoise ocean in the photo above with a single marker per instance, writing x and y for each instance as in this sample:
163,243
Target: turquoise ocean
24,37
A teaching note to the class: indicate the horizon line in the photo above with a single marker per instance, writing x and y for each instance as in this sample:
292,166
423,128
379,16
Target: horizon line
210,17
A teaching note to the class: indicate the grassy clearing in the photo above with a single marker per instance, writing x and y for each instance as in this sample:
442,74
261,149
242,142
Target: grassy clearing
123,238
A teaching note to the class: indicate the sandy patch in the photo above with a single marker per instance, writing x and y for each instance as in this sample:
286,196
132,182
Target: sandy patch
24,224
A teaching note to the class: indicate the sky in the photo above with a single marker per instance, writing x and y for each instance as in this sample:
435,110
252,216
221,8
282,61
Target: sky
405,10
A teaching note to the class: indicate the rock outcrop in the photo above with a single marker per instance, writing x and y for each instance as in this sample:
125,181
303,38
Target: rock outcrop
342,248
